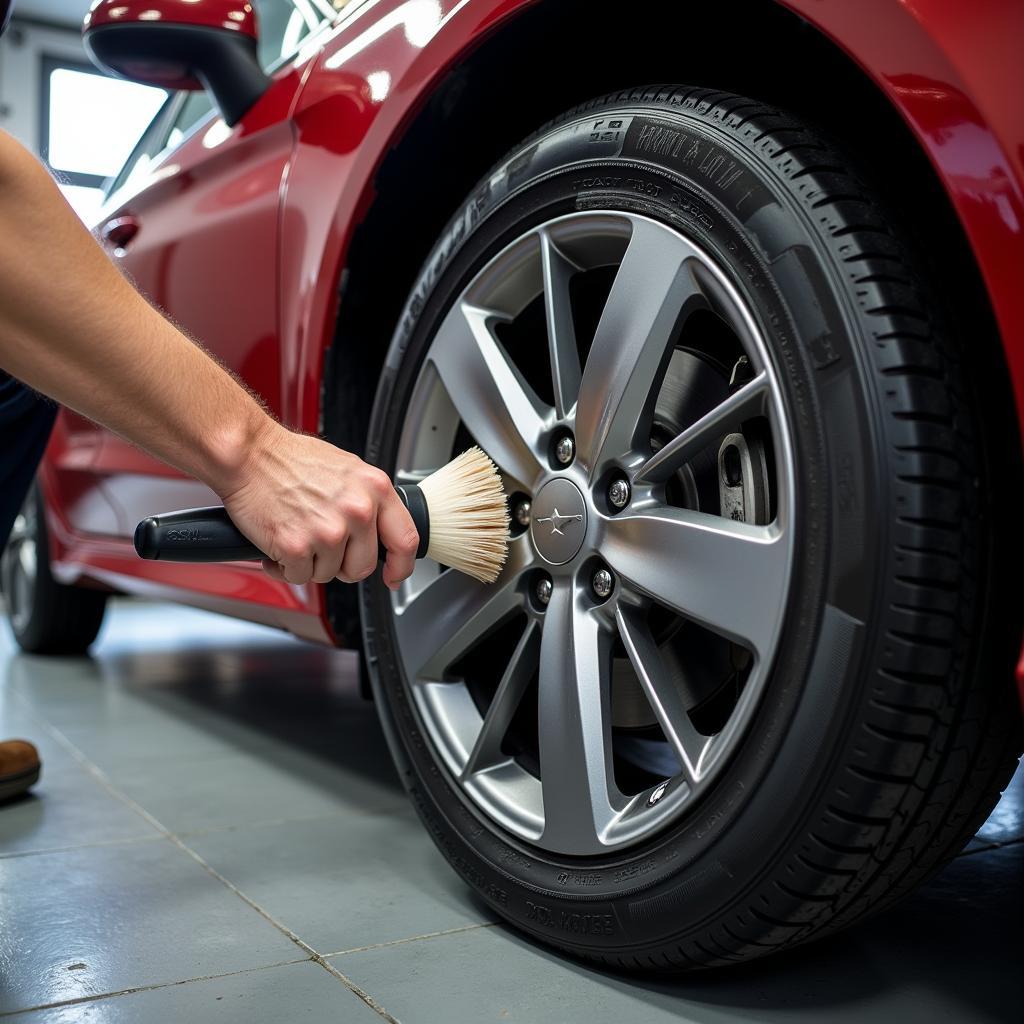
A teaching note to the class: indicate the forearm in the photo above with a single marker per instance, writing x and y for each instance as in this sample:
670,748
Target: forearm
72,327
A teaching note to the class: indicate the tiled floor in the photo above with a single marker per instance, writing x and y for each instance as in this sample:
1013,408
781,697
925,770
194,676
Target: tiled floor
219,836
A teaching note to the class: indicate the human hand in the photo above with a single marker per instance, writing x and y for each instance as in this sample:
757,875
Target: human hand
317,511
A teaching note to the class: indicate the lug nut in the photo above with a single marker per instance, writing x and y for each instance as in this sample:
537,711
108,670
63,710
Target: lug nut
618,493
544,590
522,513
565,450
602,583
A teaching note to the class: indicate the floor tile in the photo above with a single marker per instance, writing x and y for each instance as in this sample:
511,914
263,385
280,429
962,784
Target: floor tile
211,792
67,807
217,722
108,918
120,747
295,992
70,692
951,953
261,751
348,882
17,721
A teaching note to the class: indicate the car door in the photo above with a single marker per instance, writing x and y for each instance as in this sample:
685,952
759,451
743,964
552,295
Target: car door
195,226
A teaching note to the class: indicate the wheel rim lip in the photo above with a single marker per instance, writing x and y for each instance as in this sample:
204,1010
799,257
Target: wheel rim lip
488,792
20,566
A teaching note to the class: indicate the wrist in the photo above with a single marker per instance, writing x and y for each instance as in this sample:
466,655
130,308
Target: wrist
238,450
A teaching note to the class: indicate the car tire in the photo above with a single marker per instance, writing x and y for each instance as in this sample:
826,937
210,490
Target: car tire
46,617
885,724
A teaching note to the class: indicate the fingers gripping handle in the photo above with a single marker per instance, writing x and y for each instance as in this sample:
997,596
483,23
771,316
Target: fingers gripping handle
208,535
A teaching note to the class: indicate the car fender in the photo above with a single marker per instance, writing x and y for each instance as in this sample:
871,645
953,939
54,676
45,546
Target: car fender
954,76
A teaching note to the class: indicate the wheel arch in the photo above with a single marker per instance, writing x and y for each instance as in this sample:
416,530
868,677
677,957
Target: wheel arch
486,98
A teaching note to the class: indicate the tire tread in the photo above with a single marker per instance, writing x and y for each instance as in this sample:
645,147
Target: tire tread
927,692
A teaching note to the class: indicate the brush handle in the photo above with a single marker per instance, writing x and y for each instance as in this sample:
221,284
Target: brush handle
208,535
194,535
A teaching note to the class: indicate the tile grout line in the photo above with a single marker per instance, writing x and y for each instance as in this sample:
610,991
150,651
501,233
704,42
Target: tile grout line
207,830
97,843
103,780
413,938
151,988
356,990
191,833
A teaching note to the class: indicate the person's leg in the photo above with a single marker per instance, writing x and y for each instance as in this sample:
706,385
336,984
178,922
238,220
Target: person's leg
26,420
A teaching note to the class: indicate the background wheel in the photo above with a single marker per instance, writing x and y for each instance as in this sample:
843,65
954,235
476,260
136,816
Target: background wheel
46,617
747,675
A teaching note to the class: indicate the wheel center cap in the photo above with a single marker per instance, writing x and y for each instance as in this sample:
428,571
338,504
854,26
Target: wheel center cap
558,521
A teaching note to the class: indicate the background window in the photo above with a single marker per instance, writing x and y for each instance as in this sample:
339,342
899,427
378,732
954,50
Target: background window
90,124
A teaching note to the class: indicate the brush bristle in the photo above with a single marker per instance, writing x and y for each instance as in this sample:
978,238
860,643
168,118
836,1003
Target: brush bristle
468,516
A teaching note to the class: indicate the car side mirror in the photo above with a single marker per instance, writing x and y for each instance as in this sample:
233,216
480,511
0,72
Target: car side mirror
181,44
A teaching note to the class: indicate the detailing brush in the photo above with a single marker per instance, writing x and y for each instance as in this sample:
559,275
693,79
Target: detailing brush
460,513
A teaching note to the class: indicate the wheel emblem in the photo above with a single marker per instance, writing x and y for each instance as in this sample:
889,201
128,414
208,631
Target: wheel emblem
557,521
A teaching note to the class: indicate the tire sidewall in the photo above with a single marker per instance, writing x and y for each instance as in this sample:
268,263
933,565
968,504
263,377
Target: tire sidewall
640,158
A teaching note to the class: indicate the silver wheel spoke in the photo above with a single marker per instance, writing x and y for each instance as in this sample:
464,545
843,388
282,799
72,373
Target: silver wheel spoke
574,726
453,612
750,400
498,407
631,344
728,576
413,476
565,357
487,749
661,692
19,530
27,559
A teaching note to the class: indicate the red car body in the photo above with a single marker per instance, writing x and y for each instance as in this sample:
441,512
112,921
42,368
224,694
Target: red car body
244,234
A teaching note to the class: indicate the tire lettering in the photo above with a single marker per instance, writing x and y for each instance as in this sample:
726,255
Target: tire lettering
581,924
605,182
710,165
823,352
678,146
581,878
606,130
627,874
659,141
647,187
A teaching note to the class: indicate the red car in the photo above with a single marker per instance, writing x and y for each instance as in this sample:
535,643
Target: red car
747,348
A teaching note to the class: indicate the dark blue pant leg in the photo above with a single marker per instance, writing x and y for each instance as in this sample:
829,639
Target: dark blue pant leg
26,419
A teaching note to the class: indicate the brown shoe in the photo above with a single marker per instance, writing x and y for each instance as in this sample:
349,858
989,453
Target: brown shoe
19,768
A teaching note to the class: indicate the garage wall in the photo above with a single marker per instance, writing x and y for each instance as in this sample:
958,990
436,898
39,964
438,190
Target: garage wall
22,49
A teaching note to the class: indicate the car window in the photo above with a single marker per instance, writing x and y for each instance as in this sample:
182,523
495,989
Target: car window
283,24
149,145
195,107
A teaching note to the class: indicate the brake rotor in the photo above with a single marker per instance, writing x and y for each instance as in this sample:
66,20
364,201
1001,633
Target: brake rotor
729,479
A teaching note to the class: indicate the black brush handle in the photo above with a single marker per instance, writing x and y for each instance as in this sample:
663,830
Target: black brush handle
208,535
194,535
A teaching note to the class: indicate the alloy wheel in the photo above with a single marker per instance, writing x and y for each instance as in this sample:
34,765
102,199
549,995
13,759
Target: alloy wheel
19,565
619,381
